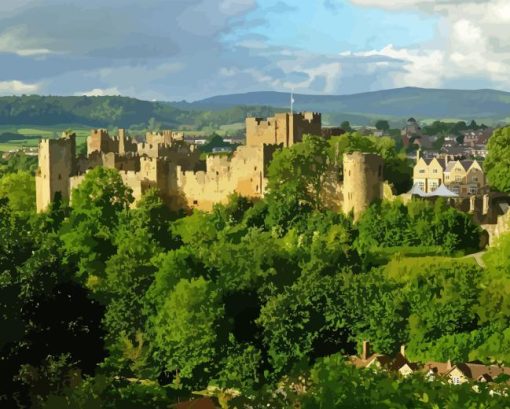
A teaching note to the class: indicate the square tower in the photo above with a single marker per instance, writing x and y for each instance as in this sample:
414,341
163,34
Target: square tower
56,166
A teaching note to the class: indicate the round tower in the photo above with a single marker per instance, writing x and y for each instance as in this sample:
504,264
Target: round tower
363,181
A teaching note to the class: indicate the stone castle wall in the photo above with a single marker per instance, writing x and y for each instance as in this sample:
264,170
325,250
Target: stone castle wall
187,182
243,174
284,128
56,165
363,181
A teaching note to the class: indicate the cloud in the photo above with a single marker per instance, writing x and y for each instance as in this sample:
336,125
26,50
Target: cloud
190,49
99,92
17,88
472,44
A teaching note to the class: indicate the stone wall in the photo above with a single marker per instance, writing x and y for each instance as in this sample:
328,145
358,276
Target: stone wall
242,174
284,128
56,166
363,181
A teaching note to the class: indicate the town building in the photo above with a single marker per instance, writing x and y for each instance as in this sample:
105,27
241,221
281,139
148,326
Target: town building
463,177
455,374
410,132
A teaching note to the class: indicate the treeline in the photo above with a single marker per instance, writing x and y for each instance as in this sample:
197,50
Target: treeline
107,305
115,111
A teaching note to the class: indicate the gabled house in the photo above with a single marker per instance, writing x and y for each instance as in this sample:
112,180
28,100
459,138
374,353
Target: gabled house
378,361
475,372
462,177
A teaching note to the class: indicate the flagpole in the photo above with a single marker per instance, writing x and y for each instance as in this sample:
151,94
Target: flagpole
292,102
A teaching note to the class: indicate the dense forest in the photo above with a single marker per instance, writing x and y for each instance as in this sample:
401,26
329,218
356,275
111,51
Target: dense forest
108,305
116,111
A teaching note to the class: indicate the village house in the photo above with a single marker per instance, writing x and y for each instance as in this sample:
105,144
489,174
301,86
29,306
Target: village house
455,374
462,177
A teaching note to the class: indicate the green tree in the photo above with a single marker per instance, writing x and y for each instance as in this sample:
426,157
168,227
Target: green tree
498,160
89,232
296,178
346,126
382,125
186,331
19,189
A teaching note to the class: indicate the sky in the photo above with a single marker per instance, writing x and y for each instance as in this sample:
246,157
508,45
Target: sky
191,49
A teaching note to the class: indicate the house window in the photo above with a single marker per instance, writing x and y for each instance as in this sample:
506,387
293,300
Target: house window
475,179
458,178
473,190
434,170
195,202
422,171
456,380
433,185
421,185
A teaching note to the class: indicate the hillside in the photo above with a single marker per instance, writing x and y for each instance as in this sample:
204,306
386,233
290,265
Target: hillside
395,104
115,111
210,114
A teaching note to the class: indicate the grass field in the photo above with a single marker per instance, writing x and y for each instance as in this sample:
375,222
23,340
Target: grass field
34,133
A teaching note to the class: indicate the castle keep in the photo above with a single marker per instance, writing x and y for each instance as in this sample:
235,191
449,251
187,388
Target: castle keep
284,128
185,181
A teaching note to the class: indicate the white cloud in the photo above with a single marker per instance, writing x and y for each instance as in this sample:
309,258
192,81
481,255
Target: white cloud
472,42
99,92
16,87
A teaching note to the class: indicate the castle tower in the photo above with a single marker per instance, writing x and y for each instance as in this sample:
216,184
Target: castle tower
363,181
56,166
283,128
100,141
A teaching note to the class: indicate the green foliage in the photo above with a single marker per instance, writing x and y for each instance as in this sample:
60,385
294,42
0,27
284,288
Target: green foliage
214,141
497,162
18,162
247,296
420,223
397,169
19,189
338,385
496,257
185,329
88,234
300,171
346,126
382,125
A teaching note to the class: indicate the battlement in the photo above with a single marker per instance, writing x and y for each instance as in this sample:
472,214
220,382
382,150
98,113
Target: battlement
63,141
363,157
103,133
283,128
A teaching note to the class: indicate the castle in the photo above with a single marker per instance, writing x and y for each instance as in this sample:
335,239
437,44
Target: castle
185,181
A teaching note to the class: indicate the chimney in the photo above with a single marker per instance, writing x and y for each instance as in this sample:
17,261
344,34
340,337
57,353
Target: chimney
366,350
418,155
403,350
449,364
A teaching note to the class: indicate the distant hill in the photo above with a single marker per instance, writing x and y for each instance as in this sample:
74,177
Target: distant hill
395,104
116,111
